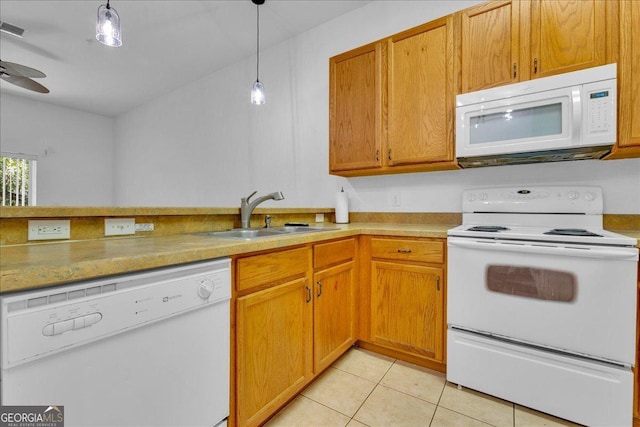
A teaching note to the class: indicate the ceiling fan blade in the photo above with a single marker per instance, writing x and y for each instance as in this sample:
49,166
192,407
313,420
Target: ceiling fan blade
24,82
21,70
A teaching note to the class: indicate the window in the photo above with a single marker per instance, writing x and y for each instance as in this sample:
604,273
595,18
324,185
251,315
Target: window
18,178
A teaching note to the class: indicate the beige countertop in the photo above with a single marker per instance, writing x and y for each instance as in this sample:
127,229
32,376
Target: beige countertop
31,266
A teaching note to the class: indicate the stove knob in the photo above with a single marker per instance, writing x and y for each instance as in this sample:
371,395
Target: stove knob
589,196
573,195
206,288
484,196
471,197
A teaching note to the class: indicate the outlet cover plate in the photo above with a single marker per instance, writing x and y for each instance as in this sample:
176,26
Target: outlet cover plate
49,229
148,226
119,226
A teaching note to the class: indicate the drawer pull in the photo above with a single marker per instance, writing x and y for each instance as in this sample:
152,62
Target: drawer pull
404,251
319,283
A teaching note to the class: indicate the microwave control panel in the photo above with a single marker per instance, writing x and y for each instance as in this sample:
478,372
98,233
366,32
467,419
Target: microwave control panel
599,115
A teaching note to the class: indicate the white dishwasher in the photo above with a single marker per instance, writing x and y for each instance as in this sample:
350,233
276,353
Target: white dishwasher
142,349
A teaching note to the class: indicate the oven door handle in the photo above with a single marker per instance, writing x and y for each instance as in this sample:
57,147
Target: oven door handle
621,253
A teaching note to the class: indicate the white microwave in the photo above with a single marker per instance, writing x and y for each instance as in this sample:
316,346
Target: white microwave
569,116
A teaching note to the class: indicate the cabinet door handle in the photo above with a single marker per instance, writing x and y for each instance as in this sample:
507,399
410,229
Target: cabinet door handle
438,283
389,154
404,251
535,65
377,155
308,293
515,70
319,283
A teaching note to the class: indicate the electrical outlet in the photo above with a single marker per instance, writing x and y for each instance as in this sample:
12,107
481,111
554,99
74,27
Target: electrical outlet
319,217
119,226
395,199
49,229
144,227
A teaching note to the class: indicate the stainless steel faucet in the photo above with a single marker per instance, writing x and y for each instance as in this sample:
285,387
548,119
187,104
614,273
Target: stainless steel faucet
246,207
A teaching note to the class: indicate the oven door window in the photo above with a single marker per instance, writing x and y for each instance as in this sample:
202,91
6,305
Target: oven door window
529,282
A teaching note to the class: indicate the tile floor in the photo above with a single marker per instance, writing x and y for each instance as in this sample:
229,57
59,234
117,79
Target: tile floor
367,389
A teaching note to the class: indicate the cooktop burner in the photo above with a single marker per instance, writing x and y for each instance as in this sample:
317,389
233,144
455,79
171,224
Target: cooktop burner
490,228
572,232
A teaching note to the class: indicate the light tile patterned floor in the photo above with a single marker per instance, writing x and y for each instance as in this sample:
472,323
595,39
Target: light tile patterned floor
368,389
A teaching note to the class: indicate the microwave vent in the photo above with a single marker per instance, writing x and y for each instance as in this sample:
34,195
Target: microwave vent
582,153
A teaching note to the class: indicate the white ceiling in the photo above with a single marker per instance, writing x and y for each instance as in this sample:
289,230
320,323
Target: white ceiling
166,44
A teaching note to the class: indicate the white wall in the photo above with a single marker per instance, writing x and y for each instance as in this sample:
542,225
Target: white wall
74,150
205,145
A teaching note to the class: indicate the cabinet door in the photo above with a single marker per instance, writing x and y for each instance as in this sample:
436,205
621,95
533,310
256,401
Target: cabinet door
273,350
566,35
420,94
490,45
333,314
355,101
629,74
407,305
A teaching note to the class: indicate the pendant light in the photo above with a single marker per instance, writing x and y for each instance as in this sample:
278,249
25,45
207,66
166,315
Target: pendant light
257,91
108,26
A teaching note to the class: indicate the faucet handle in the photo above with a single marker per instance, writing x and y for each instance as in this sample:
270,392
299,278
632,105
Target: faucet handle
250,196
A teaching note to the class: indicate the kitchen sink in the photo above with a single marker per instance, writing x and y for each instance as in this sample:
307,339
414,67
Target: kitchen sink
258,233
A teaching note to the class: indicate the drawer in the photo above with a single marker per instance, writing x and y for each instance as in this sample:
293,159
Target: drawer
325,254
408,249
272,267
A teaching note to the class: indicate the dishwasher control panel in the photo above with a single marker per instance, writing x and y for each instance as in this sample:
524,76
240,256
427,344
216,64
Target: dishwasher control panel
38,323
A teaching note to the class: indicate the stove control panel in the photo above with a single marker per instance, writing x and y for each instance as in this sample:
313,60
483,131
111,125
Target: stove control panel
539,199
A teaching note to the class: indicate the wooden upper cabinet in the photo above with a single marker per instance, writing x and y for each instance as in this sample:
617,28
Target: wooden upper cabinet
391,103
629,79
420,94
355,90
507,41
490,45
564,35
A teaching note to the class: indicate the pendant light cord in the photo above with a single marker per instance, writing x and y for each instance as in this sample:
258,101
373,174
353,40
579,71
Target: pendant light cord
257,41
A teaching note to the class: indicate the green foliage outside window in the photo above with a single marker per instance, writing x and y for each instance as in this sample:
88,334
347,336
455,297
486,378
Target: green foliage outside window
15,179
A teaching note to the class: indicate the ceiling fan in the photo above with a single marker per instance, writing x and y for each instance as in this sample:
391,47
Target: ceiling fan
22,76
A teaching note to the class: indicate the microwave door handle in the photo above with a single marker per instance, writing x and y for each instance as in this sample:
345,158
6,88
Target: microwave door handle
621,253
576,110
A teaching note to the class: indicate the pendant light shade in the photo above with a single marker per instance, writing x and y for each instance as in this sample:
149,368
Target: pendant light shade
257,91
108,26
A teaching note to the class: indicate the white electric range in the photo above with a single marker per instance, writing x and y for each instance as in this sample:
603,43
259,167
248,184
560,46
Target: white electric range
541,303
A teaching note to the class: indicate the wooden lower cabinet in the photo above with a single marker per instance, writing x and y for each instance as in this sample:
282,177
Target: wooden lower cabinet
333,314
273,350
407,308
294,316
404,307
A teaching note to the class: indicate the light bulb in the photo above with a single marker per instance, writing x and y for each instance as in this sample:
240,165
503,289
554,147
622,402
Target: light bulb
108,26
257,93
